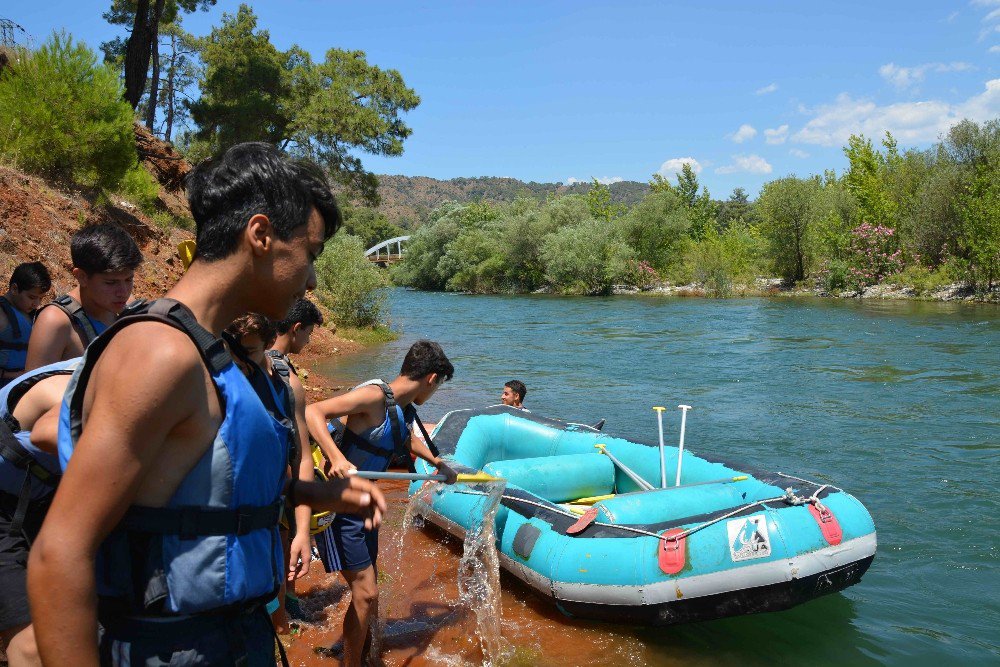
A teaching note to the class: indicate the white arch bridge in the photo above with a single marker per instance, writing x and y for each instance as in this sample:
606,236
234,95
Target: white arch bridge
387,252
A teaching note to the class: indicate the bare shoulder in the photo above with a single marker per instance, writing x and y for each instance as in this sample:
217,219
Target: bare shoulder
154,353
52,317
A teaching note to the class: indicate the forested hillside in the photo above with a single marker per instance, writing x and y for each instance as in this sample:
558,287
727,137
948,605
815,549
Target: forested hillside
407,200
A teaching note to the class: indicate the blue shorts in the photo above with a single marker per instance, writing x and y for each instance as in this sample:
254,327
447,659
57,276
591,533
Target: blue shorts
346,545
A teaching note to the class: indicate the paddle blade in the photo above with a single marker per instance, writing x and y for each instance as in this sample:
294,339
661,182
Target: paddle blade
186,250
582,523
473,478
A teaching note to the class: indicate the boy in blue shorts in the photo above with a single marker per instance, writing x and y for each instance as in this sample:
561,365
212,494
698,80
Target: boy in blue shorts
375,420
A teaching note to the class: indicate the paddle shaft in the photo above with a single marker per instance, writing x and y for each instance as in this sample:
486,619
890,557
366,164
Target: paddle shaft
470,478
663,462
680,447
643,484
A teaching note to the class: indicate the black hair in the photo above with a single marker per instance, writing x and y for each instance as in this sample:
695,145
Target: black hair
31,275
518,388
103,248
304,312
251,179
426,357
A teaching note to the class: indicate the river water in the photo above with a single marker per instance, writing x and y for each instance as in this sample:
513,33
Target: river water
897,402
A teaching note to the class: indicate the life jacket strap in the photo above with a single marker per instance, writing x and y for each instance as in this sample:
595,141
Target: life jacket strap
15,454
281,366
191,522
74,310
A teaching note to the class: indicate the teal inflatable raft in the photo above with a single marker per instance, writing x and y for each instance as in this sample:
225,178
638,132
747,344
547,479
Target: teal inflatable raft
574,526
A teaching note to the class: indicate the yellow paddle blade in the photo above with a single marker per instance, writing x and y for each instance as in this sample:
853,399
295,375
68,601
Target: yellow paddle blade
472,478
593,499
740,478
576,510
186,250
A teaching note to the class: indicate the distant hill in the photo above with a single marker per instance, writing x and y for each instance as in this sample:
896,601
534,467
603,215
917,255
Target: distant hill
407,200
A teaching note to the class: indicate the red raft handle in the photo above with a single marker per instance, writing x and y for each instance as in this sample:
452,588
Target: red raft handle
828,524
671,552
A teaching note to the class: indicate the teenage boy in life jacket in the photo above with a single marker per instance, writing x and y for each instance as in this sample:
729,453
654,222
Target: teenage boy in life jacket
165,524
104,261
294,333
28,285
374,429
284,397
29,473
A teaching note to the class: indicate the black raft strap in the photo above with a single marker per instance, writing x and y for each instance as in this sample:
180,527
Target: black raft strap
193,521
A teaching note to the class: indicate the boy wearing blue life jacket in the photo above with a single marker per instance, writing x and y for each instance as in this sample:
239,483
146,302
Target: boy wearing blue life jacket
28,285
374,424
29,473
284,396
177,551
295,330
104,262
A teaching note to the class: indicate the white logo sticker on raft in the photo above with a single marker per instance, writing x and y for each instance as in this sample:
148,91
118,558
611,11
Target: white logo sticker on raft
748,538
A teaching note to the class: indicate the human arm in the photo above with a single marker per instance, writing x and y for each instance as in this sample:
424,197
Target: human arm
45,432
360,402
149,413
352,495
301,547
50,337
419,447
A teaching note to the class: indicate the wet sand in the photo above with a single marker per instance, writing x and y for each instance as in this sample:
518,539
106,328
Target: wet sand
426,626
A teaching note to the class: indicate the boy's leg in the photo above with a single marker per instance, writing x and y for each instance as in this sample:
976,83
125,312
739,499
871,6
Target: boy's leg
364,600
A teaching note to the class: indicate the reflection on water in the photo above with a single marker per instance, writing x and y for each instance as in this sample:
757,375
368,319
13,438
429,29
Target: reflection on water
898,402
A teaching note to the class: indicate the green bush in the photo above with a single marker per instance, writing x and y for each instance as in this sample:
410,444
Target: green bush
138,186
350,285
922,279
834,275
722,261
585,259
62,115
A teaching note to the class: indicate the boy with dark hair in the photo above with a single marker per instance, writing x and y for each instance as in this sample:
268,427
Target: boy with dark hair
513,394
28,285
375,425
294,331
197,462
285,398
104,262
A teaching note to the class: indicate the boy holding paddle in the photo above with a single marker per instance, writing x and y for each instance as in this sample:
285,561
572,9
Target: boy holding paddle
376,418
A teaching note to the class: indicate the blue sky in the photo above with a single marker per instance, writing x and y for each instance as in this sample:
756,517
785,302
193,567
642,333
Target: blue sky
552,91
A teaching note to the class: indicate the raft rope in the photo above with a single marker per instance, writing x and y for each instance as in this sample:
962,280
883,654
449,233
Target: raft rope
789,497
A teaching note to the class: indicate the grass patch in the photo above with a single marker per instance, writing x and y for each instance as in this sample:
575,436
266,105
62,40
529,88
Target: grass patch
368,336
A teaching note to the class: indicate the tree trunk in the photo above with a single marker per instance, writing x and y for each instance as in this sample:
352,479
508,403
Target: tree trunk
154,82
137,55
171,73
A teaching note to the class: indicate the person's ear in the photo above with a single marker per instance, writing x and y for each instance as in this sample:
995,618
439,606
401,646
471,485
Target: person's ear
432,379
80,275
296,328
259,234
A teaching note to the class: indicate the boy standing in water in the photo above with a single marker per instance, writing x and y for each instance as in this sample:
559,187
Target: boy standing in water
374,428
513,394
28,284
104,262
177,551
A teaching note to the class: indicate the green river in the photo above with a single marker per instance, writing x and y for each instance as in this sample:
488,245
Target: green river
897,402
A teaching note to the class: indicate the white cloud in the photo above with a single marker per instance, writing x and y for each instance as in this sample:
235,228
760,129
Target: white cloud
910,122
995,49
671,167
777,135
745,133
751,164
606,180
905,77
795,152
769,88
952,17
992,16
